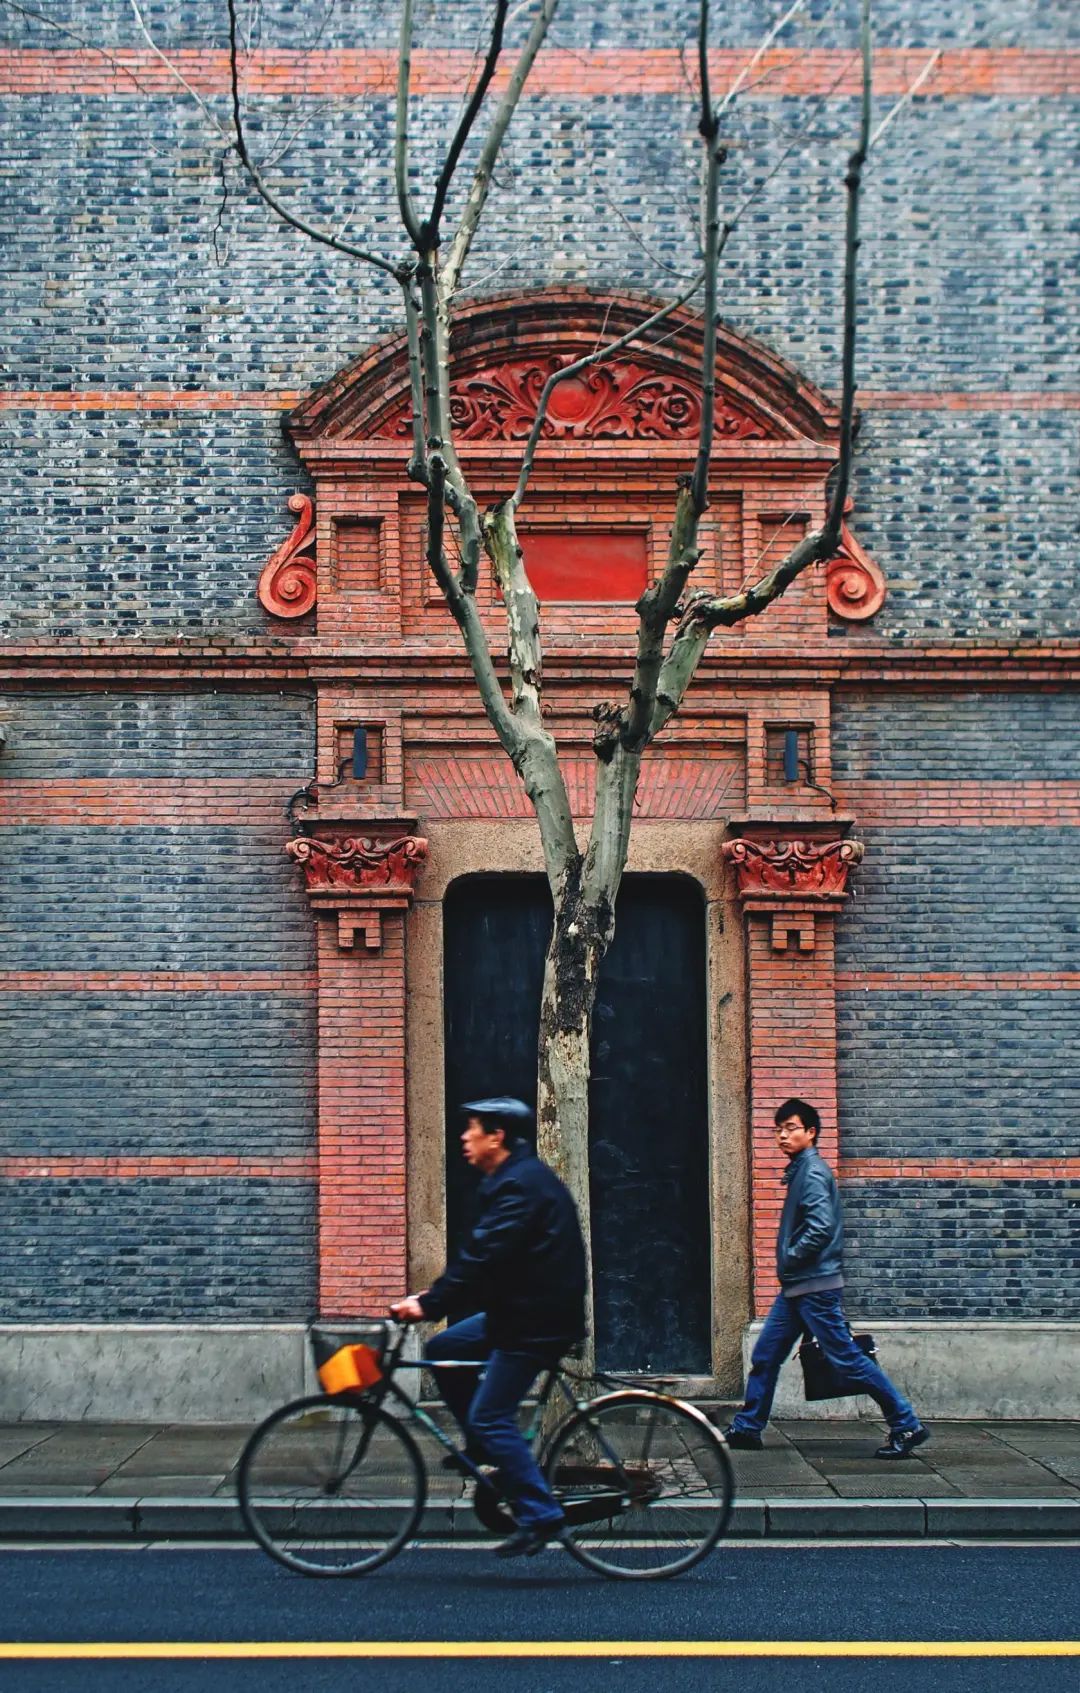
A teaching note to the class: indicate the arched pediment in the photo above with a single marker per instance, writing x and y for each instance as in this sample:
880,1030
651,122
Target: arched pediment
505,348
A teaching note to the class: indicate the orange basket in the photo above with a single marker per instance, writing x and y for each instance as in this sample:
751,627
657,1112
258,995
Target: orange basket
350,1370
349,1354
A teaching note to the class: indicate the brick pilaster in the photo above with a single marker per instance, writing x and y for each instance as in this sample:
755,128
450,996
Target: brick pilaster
792,1018
361,1144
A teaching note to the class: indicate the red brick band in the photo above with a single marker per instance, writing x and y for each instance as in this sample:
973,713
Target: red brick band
285,399
957,981
148,399
227,802
959,1170
964,73
158,1169
953,805
158,981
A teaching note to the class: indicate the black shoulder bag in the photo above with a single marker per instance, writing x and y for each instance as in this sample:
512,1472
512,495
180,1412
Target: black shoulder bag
820,1379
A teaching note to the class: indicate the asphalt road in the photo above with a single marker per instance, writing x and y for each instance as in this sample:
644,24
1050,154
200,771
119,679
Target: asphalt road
816,1594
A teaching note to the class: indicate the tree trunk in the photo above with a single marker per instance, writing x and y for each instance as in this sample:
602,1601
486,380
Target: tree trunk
580,936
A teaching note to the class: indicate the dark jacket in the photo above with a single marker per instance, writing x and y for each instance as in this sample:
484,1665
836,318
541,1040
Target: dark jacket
524,1262
810,1241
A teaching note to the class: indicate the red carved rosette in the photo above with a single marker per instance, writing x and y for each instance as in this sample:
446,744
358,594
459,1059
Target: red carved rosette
854,585
613,401
799,869
359,864
287,586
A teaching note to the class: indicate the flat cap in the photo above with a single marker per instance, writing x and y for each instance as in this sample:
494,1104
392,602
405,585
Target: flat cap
502,1106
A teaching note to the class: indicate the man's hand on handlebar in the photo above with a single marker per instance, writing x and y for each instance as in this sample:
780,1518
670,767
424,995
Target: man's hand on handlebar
408,1310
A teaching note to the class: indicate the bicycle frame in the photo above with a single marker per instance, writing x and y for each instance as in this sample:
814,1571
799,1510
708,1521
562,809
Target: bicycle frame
554,1380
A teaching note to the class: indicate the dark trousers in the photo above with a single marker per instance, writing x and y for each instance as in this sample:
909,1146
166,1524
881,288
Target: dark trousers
485,1403
821,1315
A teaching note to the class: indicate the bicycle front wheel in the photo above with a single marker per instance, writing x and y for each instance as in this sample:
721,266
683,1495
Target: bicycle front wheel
331,1486
645,1482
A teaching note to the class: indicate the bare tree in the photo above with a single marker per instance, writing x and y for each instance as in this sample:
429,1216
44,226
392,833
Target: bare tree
672,629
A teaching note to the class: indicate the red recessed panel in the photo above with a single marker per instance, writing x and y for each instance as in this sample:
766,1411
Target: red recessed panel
594,564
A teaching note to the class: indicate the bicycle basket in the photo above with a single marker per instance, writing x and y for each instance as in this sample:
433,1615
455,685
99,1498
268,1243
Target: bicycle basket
348,1357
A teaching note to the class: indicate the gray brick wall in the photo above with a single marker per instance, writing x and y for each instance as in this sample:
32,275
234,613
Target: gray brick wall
162,1074
152,899
978,1074
973,735
581,23
138,735
958,1075
955,899
157,1250
968,1251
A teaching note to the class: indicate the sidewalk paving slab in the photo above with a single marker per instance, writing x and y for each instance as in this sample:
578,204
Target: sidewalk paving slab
812,1479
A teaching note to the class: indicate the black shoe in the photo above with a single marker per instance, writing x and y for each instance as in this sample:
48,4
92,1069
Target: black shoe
526,1542
902,1442
743,1440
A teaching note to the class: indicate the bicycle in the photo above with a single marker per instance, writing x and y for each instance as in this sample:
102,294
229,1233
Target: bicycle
334,1484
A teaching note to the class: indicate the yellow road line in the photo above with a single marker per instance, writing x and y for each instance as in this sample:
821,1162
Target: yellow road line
360,1649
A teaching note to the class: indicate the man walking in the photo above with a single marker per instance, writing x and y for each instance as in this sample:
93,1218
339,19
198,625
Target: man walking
809,1264
523,1268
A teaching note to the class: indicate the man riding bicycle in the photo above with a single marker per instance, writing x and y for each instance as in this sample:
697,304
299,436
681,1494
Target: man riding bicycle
522,1271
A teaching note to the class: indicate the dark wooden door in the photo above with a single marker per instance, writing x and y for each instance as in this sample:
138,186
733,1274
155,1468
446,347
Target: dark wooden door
648,1138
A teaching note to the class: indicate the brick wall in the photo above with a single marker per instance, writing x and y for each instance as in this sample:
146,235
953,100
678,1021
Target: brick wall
157,1010
156,338
958,1019
159,518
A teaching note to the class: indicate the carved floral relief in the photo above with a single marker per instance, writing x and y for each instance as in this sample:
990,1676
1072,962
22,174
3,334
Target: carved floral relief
626,401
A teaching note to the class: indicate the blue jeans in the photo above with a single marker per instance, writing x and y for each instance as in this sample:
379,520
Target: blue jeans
485,1403
821,1315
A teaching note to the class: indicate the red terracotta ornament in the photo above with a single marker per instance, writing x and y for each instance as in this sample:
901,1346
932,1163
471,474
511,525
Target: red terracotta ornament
287,586
613,401
359,879
805,869
359,863
854,585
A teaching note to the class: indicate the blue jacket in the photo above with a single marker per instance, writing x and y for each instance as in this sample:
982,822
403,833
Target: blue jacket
523,1265
810,1241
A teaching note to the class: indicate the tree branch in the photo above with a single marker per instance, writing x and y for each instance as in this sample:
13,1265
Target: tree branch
657,605
903,100
240,143
401,131
468,118
706,613
171,68
597,357
762,48
481,184
418,468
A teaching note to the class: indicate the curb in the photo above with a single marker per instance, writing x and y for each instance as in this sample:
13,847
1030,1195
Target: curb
161,1518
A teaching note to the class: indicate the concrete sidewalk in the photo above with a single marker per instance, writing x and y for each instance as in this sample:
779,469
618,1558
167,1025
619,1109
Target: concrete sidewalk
138,1481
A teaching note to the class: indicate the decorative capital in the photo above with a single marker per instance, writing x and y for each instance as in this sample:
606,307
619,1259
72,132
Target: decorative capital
287,586
792,882
793,869
854,585
359,877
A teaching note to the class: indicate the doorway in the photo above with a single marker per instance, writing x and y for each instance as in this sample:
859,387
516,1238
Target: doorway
648,1134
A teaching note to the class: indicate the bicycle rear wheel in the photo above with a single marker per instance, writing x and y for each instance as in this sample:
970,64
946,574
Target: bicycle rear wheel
646,1484
331,1486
